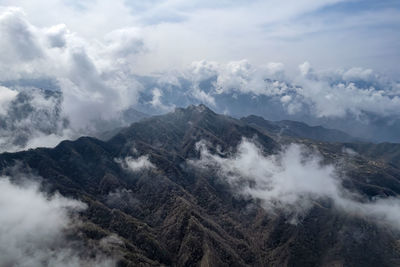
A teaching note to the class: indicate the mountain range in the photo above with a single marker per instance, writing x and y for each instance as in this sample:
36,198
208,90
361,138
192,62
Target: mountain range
163,188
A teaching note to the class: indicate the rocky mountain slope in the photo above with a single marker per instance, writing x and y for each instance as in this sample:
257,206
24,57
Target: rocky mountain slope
299,130
171,213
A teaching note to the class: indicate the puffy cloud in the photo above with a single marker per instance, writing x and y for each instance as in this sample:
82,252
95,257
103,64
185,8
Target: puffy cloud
203,70
235,76
355,74
18,43
94,79
339,96
88,73
292,181
305,68
239,76
320,94
136,164
33,226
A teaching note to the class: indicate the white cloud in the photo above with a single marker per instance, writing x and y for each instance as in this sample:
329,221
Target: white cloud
333,94
203,70
286,99
6,96
94,49
337,96
179,32
44,140
125,43
157,103
305,68
136,164
202,96
292,181
94,84
95,78
355,74
235,76
275,68
33,225
18,43
241,76
57,35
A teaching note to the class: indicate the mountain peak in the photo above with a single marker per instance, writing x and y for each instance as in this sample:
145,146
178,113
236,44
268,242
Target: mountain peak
201,108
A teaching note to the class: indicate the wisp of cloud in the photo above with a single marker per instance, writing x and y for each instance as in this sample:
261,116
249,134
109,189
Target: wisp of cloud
135,165
292,181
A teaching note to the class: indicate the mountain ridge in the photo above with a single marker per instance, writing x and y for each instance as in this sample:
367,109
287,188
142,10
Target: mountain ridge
301,130
175,215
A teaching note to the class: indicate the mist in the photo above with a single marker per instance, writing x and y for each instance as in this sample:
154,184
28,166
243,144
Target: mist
135,164
293,181
34,228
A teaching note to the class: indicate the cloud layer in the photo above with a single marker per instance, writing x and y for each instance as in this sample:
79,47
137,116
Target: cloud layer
323,94
95,55
356,100
293,181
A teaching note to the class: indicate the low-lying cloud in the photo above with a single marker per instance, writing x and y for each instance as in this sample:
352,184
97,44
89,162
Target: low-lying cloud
136,164
292,181
33,228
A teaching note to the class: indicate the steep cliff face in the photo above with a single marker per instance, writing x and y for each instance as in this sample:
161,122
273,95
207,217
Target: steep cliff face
140,187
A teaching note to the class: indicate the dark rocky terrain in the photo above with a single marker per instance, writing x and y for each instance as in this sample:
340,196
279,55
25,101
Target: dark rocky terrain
299,130
174,215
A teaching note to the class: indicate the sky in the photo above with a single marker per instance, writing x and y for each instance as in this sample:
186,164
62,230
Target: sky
71,68
328,33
